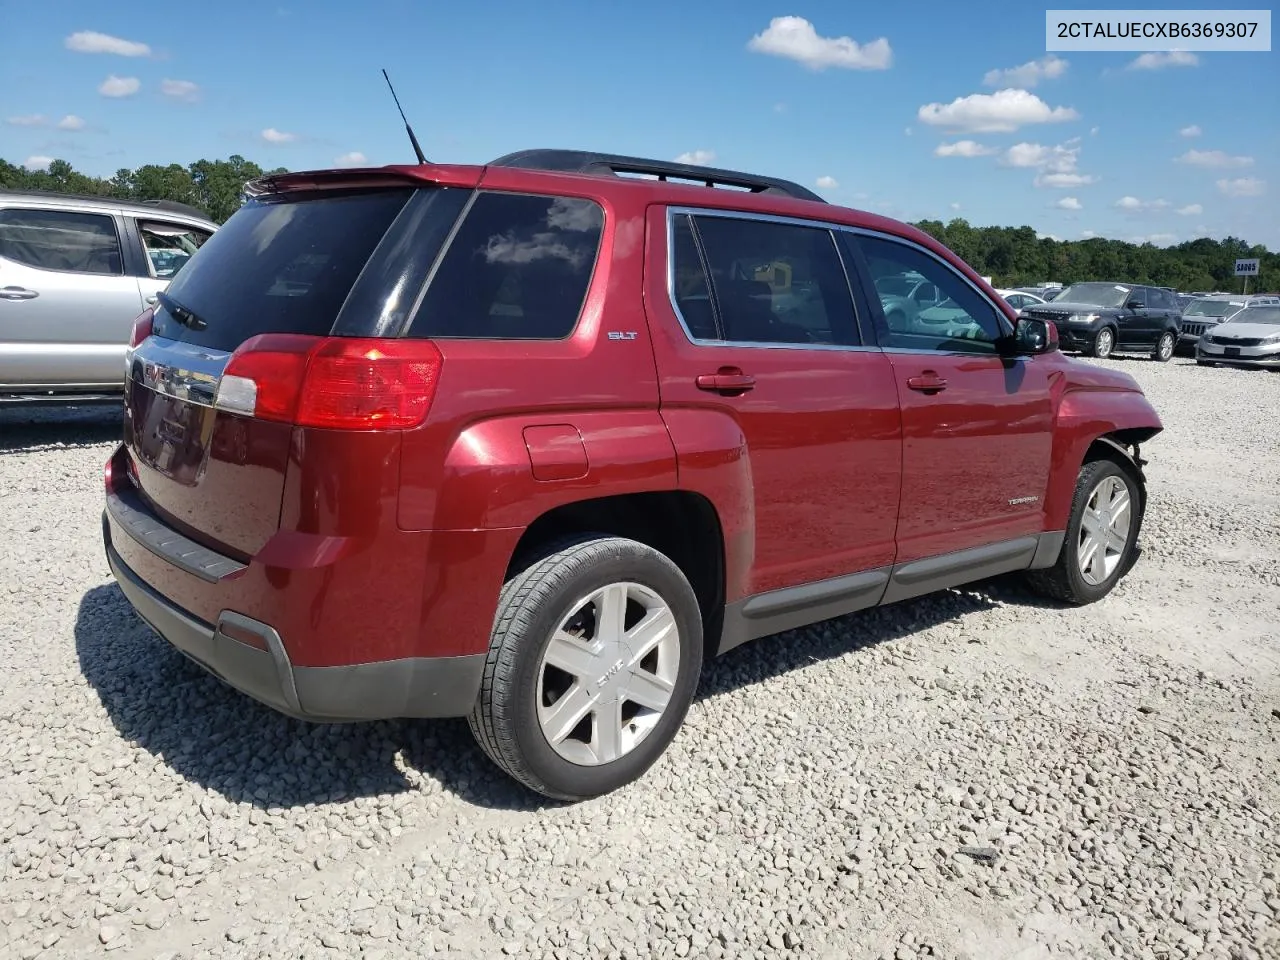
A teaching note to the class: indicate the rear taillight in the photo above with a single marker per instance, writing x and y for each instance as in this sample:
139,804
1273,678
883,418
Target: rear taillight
337,382
141,328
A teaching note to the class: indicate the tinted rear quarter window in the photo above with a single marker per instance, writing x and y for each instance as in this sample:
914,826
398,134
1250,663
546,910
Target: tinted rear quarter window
517,268
279,266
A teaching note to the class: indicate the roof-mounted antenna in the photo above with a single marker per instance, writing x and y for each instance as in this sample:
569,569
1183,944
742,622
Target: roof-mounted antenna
407,129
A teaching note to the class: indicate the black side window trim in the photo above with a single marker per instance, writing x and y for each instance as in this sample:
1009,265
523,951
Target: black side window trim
112,218
692,221
857,328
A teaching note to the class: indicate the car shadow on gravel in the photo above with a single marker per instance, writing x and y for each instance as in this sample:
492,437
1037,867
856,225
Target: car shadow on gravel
228,743
768,657
32,429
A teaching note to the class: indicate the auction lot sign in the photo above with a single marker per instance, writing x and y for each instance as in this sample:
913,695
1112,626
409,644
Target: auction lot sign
1158,30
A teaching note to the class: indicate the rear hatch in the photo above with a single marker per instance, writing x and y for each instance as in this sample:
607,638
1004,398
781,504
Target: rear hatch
307,264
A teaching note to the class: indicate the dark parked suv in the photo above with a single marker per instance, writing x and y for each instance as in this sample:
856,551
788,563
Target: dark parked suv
526,442
1100,318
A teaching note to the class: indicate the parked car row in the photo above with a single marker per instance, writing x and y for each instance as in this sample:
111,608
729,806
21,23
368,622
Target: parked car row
1098,319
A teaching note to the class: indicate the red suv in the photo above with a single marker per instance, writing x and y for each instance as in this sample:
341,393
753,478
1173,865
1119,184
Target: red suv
527,442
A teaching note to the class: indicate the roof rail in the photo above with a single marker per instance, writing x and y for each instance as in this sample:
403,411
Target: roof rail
171,206
585,161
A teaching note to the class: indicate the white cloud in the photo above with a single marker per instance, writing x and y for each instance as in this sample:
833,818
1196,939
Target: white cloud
1048,236
1029,155
180,90
1156,239
1029,74
1158,61
1243,187
955,206
37,163
353,159
90,41
963,148
907,131
796,39
1213,158
1063,181
272,135
71,122
115,86
1093,131
1068,203
1088,234
1191,210
699,158
30,120
1133,204
1055,166
1000,112
1191,131
826,183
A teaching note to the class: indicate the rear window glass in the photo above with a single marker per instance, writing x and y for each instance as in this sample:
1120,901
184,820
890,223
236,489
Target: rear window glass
278,266
517,269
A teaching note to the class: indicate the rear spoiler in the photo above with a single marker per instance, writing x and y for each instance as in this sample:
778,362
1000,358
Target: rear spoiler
356,178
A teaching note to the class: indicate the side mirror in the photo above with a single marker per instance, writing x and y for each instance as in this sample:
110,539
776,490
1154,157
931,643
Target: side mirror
1136,305
1034,337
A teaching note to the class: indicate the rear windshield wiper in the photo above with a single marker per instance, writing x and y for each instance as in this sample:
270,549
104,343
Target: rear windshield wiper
180,313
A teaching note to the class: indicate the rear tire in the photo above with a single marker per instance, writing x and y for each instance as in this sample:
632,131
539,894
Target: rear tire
1104,343
1163,350
604,630
1098,549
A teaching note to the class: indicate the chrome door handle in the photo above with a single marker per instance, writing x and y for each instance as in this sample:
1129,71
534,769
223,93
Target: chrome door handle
17,293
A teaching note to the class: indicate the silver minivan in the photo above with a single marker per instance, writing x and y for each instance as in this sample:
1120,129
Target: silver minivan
74,274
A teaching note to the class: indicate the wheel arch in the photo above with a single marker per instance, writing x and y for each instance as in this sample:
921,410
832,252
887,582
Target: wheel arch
683,525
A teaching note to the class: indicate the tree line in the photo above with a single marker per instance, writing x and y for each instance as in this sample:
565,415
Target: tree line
214,186
1011,256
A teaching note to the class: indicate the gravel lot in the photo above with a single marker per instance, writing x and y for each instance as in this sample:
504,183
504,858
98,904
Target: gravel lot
974,774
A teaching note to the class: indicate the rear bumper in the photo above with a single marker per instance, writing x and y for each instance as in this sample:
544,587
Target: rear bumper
250,656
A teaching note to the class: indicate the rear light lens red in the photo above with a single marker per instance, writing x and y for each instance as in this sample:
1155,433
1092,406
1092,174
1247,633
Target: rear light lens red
141,329
339,383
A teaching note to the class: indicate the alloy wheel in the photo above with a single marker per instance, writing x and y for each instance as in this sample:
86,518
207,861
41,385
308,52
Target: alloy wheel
1102,346
608,674
1104,530
1165,347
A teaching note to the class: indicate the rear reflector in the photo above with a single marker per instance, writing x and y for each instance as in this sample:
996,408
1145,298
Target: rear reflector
336,382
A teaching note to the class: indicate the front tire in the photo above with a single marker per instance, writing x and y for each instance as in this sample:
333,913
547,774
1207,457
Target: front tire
593,662
1101,537
1104,342
1163,351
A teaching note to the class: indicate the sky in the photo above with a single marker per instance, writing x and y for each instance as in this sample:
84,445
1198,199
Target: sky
915,110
